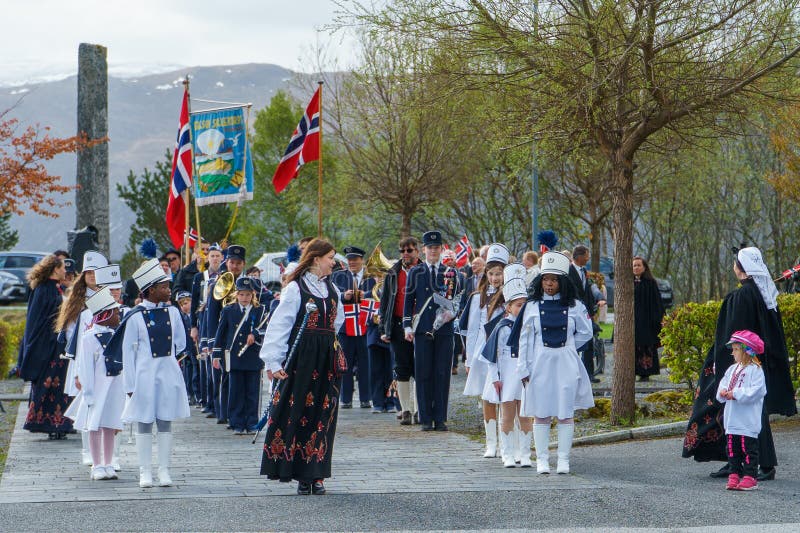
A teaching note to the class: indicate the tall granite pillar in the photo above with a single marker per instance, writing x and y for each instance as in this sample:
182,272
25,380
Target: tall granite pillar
92,176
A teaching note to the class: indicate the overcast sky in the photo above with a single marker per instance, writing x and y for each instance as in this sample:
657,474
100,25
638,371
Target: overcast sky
40,37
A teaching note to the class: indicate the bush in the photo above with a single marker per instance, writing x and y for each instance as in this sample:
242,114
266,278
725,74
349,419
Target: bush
688,334
11,332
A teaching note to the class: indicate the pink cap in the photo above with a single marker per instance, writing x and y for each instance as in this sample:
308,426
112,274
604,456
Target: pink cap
749,339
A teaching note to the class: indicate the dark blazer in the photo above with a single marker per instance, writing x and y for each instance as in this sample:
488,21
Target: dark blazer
184,279
388,296
228,339
419,288
584,290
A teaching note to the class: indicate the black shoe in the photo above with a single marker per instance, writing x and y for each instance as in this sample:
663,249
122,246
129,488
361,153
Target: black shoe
211,415
405,419
725,471
318,488
644,379
440,426
303,488
594,380
766,474
206,410
366,405
427,427
416,418
346,406
222,421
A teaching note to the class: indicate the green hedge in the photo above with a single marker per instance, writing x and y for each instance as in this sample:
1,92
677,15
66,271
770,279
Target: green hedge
11,331
688,333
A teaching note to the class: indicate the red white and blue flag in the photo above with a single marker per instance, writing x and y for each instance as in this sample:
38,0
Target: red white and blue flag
192,236
369,307
181,178
463,251
303,146
355,322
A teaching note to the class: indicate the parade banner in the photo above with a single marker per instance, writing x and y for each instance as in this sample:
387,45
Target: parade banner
224,168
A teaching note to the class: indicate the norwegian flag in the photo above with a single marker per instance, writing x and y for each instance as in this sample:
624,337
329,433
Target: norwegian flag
355,322
368,308
463,251
192,235
303,146
788,273
181,178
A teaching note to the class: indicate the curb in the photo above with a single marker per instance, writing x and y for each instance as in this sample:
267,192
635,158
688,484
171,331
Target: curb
672,429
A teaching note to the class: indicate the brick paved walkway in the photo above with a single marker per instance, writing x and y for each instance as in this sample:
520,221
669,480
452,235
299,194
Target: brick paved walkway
372,454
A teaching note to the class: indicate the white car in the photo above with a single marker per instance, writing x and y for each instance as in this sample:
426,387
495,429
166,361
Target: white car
272,265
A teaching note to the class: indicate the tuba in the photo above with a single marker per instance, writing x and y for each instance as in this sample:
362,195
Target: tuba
225,289
376,266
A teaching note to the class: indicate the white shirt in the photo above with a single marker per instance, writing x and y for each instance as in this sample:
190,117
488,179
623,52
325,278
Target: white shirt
276,339
743,414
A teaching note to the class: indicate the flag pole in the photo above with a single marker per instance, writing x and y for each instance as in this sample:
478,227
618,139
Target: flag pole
319,168
201,262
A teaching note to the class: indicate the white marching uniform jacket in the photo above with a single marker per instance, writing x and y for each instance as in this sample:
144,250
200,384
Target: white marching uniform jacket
559,383
79,327
102,396
159,391
504,370
474,340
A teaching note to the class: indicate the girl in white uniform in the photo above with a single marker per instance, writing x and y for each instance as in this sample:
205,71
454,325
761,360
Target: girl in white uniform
472,326
553,323
503,383
100,412
73,320
148,339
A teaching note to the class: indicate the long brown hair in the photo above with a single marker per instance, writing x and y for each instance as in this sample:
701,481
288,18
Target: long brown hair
498,300
647,274
41,271
73,305
316,248
483,284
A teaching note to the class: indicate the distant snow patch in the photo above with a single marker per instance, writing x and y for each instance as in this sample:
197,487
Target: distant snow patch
228,70
219,84
20,91
165,87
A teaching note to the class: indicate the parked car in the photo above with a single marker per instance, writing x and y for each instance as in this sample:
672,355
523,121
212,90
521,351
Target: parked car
17,264
607,269
272,265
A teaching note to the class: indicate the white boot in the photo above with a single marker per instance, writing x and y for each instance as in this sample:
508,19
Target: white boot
491,438
144,449
86,456
506,449
115,458
525,449
517,444
541,439
164,454
565,432
404,395
413,396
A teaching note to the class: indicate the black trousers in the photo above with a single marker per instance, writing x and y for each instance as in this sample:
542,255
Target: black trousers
742,454
434,362
403,352
587,355
243,398
357,354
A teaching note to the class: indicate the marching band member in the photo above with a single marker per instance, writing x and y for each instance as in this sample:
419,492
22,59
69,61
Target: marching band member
380,356
351,336
200,292
433,339
472,324
503,383
103,396
146,343
190,365
300,350
238,343
554,323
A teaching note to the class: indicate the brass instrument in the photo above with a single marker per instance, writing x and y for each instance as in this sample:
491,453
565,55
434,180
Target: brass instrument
225,289
377,265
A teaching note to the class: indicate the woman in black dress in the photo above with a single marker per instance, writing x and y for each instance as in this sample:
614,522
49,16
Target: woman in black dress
754,307
648,316
301,353
39,352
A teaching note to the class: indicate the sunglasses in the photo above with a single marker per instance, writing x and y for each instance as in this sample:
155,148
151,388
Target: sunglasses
407,250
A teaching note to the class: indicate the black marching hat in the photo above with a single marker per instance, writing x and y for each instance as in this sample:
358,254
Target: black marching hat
432,238
352,252
235,251
245,284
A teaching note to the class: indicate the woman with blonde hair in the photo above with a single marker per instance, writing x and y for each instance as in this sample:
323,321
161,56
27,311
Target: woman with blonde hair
39,353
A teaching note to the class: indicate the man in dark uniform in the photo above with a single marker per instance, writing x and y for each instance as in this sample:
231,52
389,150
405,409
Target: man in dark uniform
354,343
237,344
197,316
433,349
391,313
235,265
587,295
185,276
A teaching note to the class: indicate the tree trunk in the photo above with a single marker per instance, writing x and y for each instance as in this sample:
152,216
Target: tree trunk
623,400
596,230
405,226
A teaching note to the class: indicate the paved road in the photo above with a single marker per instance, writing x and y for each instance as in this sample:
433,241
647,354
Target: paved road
388,477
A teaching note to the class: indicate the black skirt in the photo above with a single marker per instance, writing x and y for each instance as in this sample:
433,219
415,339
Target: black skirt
647,363
302,423
48,401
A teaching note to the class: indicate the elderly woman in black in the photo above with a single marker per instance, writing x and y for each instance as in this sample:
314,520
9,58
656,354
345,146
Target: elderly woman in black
648,316
39,353
754,307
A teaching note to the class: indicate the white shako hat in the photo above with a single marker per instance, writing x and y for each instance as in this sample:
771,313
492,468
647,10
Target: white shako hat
497,253
108,276
514,286
554,263
92,260
149,274
101,301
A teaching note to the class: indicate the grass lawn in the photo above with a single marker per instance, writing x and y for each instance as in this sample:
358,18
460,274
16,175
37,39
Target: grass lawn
606,331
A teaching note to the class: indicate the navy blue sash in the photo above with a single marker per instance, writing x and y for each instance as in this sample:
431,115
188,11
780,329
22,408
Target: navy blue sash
491,348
